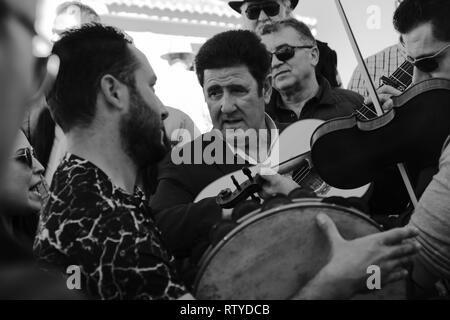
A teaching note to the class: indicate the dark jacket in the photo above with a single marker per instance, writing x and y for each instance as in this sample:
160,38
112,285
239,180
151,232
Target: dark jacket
185,224
329,103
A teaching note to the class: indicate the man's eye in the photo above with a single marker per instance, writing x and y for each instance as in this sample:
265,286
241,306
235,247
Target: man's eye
214,94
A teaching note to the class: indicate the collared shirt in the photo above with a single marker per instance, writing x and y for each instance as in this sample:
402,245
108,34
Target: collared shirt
383,63
90,223
328,103
271,132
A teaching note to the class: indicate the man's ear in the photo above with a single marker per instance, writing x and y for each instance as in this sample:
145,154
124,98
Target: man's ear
267,88
315,56
114,91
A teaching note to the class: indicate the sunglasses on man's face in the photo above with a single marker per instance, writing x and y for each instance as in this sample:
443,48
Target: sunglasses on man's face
286,52
430,63
25,157
271,9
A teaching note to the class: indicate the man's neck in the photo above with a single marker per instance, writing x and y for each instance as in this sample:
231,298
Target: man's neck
258,150
294,98
104,151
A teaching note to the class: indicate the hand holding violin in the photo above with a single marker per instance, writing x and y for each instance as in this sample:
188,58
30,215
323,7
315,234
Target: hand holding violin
385,93
276,184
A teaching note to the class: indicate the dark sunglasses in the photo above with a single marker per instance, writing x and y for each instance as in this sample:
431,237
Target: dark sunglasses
430,63
286,52
271,9
25,157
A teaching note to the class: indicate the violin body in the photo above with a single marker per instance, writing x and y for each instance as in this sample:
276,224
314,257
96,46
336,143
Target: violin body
291,155
412,132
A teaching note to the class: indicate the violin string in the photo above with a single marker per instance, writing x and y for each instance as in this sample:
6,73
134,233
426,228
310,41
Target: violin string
301,174
363,115
366,109
403,69
399,81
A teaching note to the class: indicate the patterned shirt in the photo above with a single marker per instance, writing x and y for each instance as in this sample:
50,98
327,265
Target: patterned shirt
90,223
383,63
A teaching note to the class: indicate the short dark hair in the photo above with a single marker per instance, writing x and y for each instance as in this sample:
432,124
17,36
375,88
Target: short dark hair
301,28
412,13
87,54
231,49
88,14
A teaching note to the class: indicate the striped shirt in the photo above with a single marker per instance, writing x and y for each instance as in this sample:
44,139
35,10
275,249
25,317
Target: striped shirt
383,63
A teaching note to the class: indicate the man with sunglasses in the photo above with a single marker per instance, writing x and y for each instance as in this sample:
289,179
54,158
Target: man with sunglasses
424,26
302,93
257,13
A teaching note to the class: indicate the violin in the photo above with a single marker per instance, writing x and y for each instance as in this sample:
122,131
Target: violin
412,131
290,155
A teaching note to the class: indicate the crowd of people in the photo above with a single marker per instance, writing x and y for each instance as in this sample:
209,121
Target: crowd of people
89,177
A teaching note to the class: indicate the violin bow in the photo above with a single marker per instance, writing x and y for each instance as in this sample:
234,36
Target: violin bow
372,92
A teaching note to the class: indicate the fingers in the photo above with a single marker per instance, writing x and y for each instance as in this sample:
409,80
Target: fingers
388,90
328,228
396,236
401,263
395,276
405,249
275,183
385,94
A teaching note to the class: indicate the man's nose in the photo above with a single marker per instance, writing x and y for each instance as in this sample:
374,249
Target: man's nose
38,168
276,63
263,16
163,110
228,103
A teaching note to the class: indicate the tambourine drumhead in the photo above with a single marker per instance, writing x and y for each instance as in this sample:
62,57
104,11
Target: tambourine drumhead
272,254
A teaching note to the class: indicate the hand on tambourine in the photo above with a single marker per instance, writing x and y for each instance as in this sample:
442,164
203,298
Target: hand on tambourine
274,183
392,251
385,93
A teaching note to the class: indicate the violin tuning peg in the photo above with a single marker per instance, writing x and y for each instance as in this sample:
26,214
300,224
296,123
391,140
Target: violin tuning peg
248,173
236,183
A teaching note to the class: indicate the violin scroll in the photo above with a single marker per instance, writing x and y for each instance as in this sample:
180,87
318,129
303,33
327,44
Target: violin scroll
228,199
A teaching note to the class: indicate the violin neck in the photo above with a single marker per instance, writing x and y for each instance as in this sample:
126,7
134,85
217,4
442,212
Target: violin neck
400,79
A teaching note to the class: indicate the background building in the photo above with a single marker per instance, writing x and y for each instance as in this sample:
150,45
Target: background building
169,32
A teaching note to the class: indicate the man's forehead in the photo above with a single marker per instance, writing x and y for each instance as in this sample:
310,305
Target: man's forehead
283,36
229,74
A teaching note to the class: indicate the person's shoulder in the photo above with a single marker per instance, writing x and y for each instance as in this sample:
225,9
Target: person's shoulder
78,189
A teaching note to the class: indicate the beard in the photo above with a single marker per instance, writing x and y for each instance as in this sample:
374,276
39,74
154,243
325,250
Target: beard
141,133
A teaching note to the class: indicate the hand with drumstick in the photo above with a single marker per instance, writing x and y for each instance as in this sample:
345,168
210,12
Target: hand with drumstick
346,272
